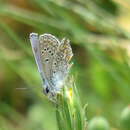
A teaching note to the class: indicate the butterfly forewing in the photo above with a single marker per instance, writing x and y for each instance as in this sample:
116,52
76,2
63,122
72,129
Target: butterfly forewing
48,46
34,39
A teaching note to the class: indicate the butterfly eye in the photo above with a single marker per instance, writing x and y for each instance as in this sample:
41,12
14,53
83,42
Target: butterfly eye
55,63
47,90
49,51
47,48
52,54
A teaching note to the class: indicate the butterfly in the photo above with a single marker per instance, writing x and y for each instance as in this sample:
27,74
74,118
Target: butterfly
52,57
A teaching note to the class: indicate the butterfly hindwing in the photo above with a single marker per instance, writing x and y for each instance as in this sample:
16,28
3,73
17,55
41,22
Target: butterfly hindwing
61,63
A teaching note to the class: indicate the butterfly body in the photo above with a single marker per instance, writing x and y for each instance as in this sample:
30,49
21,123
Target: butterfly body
52,57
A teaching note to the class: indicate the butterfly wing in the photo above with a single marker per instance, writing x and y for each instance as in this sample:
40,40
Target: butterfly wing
34,39
61,64
52,58
66,49
48,45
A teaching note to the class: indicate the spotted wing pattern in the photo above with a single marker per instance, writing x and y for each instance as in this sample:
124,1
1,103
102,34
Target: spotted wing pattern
48,46
61,65
52,57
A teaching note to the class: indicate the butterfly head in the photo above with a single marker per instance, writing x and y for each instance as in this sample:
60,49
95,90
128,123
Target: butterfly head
49,93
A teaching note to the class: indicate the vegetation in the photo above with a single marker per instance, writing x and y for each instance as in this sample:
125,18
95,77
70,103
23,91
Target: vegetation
98,31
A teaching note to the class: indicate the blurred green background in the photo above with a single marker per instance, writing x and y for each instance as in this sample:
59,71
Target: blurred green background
100,39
